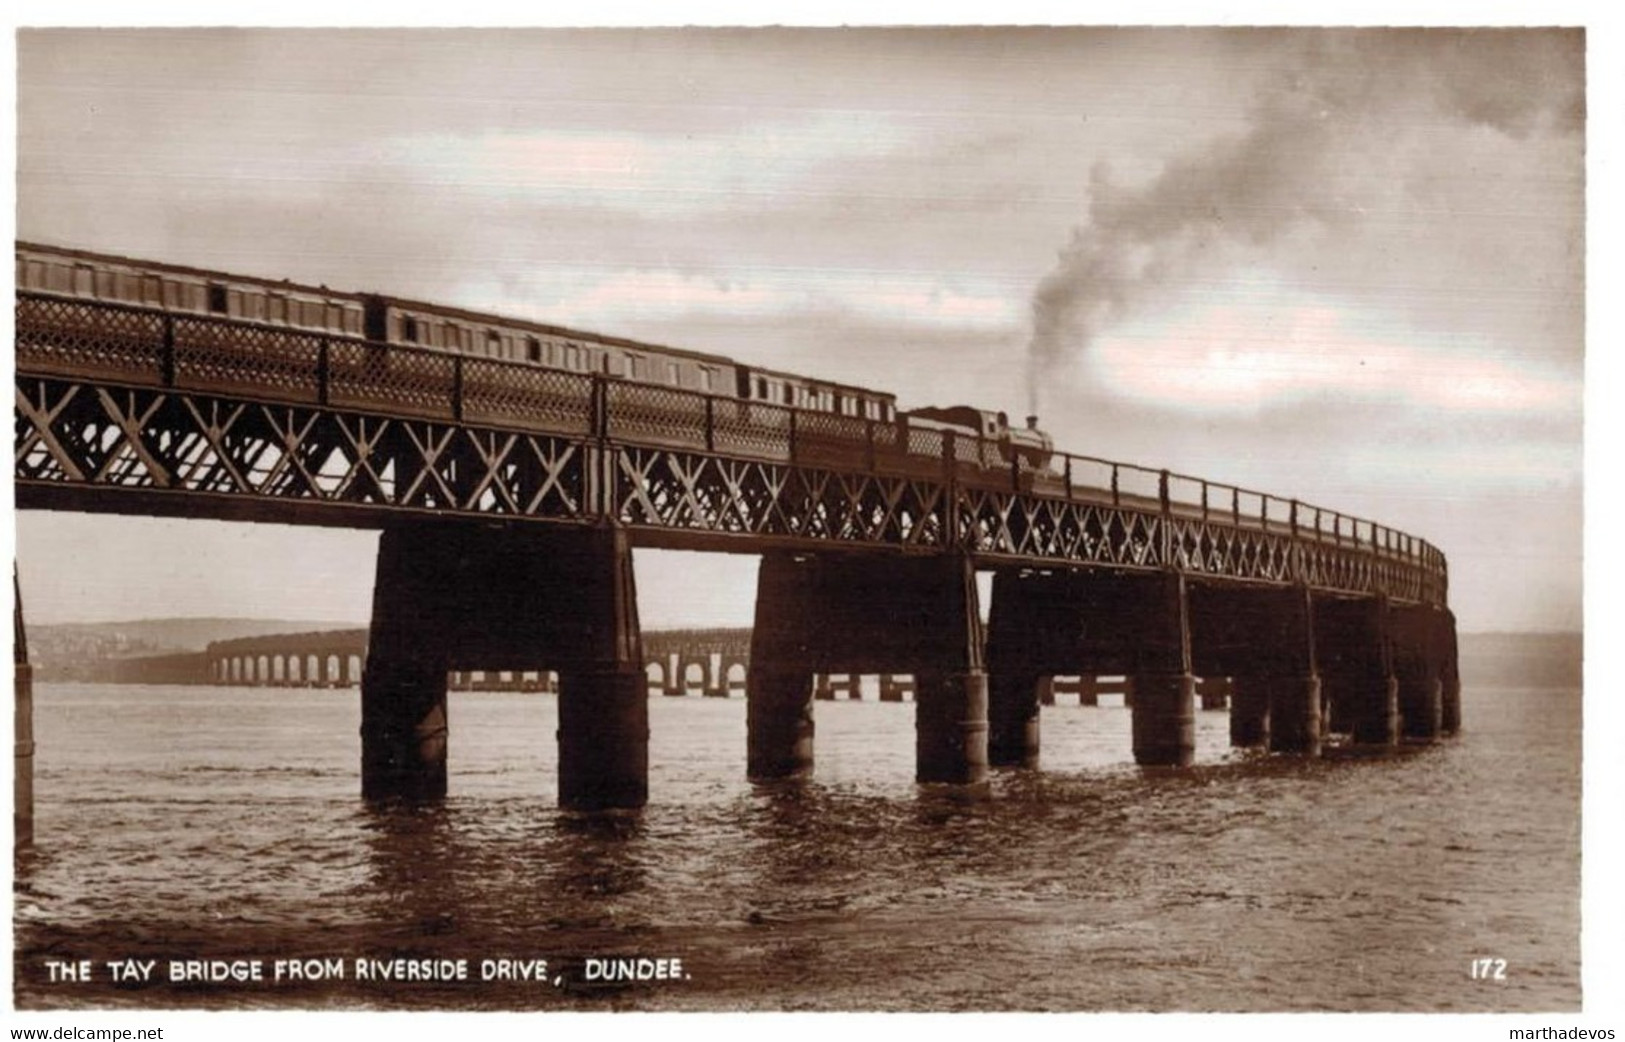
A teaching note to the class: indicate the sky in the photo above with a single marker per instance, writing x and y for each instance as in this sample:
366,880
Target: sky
1345,266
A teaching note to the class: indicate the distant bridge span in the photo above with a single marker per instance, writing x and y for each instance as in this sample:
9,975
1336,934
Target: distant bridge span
510,497
712,661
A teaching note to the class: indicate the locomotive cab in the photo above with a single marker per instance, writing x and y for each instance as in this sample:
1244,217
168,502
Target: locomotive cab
1029,445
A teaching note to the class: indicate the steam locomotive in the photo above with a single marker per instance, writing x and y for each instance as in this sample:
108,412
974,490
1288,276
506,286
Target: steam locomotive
392,320
1027,445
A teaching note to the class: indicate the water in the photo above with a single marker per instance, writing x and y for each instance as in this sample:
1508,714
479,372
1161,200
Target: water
210,823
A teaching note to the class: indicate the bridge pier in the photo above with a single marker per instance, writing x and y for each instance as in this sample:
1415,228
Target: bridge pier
1336,704
1418,653
1088,688
1376,716
603,694
1355,653
779,685
950,693
1013,700
1163,719
826,688
853,614
22,707
671,685
778,720
1016,687
1161,683
1295,720
603,738
1264,637
404,726
892,689
1088,624
463,596
1421,704
950,726
1249,711
1449,673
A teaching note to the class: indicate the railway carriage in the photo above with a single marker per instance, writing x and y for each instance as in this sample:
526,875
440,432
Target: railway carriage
170,287
834,423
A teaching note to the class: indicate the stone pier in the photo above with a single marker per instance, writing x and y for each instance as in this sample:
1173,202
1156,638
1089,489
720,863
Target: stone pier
854,614
895,688
1263,636
1047,623
1356,664
1016,687
1250,711
467,596
1213,693
1417,633
1449,673
22,785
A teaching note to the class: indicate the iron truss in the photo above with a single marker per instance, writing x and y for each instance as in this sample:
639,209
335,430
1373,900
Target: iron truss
671,489
110,446
1026,528
125,410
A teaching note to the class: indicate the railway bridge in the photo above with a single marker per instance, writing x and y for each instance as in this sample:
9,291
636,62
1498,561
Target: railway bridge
712,661
325,658
509,498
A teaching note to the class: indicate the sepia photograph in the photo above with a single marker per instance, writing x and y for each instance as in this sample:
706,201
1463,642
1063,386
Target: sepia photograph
738,519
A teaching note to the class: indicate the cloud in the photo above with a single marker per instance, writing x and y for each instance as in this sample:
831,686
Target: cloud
649,172
1267,347
602,300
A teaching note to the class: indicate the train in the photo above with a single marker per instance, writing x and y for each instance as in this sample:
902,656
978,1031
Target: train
385,319
1027,445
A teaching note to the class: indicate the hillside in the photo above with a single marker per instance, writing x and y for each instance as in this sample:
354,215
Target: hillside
70,650
67,651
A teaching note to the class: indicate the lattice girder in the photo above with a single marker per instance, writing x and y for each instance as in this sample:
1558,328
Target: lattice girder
174,443
154,440
670,488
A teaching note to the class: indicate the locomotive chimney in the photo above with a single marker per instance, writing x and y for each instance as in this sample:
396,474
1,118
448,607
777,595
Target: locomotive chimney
1032,423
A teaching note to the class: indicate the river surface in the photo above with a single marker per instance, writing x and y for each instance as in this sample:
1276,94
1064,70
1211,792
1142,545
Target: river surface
192,823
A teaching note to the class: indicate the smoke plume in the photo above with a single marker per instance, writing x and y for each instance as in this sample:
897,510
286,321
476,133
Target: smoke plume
1232,199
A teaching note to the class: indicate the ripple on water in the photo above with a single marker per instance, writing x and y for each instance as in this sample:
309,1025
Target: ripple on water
196,822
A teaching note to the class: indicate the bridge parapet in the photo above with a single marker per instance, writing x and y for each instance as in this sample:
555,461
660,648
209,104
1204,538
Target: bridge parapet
729,642
347,641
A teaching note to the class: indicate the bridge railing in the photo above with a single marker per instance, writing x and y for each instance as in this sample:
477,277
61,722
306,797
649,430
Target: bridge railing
147,346
1186,496
259,361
